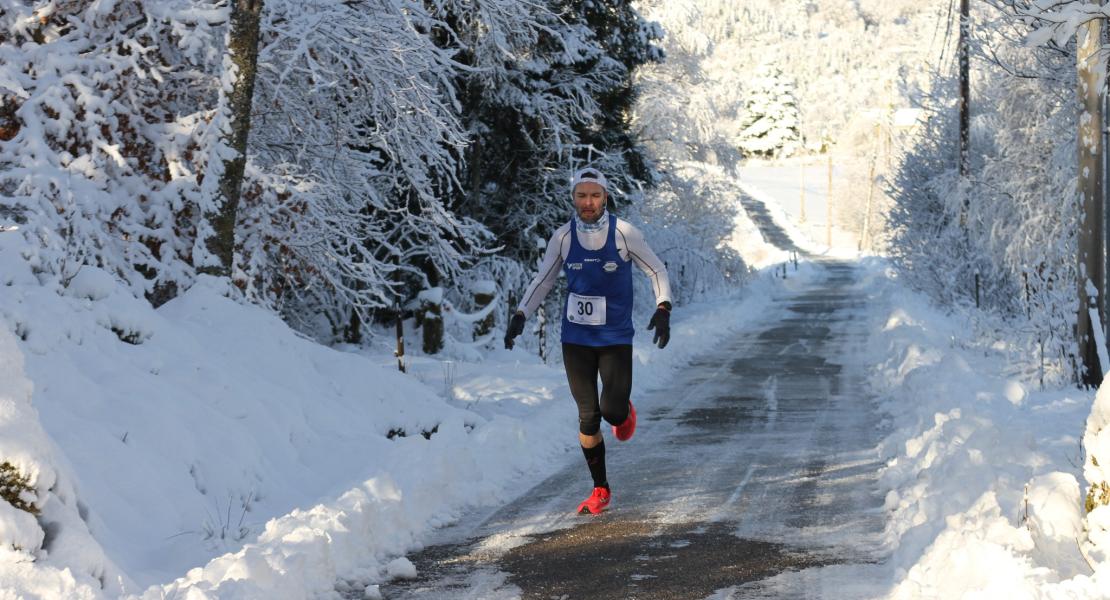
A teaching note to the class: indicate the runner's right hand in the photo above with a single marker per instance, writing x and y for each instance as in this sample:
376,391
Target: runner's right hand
516,327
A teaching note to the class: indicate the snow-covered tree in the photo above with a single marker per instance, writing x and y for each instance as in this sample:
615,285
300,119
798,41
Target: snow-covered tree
1054,27
390,141
689,215
769,125
524,102
354,147
625,37
539,97
103,122
1019,236
356,157
683,102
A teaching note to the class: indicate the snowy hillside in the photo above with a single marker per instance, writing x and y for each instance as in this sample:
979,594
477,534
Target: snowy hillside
180,432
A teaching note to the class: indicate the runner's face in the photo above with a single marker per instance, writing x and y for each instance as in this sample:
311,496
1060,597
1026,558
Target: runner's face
589,201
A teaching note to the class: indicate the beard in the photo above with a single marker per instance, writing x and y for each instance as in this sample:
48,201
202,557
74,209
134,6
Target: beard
592,218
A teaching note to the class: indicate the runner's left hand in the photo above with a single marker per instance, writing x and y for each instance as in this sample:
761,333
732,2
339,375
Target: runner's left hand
661,323
515,328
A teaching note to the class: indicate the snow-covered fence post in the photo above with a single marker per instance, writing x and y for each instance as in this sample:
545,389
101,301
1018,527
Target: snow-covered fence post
484,293
431,309
400,351
1040,373
541,328
1025,280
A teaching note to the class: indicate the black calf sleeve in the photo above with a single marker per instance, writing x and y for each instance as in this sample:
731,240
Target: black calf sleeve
595,459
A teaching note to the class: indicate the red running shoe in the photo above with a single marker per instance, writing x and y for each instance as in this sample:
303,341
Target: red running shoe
596,502
625,430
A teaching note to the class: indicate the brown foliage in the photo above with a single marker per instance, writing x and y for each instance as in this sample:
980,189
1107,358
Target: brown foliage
13,484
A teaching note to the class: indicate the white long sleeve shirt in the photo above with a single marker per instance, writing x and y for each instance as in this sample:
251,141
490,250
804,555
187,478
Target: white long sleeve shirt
630,246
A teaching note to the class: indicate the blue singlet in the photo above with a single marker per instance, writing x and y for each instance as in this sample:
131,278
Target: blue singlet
598,311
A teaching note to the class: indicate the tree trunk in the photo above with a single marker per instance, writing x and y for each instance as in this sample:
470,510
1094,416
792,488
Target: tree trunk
1090,285
965,87
242,48
965,110
431,306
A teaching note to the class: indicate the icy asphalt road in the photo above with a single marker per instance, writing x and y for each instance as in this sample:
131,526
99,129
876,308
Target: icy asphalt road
759,460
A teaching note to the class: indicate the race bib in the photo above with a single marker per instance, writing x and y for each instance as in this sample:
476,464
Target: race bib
586,310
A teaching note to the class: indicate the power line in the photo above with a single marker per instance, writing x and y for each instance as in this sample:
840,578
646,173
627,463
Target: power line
947,31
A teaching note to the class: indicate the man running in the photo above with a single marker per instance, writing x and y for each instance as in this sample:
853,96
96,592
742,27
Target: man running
596,251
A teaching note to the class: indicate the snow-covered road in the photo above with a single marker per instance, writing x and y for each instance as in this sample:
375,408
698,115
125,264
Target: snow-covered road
760,458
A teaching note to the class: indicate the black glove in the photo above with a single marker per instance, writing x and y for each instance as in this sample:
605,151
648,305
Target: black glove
516,327
661,323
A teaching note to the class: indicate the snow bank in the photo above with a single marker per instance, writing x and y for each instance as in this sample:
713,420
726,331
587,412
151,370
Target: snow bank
46,549
359,536
983,494
1096,470
210,429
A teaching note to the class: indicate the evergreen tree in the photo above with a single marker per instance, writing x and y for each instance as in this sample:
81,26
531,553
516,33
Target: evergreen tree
548,89
627,38
770,124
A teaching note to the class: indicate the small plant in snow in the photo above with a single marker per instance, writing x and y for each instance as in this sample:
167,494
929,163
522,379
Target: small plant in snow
1096,440
219,526
15,488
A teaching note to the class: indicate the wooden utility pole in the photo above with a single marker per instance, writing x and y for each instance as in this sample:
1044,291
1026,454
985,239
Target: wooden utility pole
828,204
400,351
965,105
870,187
1090,284
802,202
867,214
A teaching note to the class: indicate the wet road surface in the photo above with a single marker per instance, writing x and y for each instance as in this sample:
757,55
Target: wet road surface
759,460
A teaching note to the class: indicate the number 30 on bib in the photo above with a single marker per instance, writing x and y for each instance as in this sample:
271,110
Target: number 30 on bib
586,310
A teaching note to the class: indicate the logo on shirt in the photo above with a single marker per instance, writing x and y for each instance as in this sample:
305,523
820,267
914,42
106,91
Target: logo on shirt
574,266
591,260
610,267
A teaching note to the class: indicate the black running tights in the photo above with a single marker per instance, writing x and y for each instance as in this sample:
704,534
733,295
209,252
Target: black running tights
614,365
